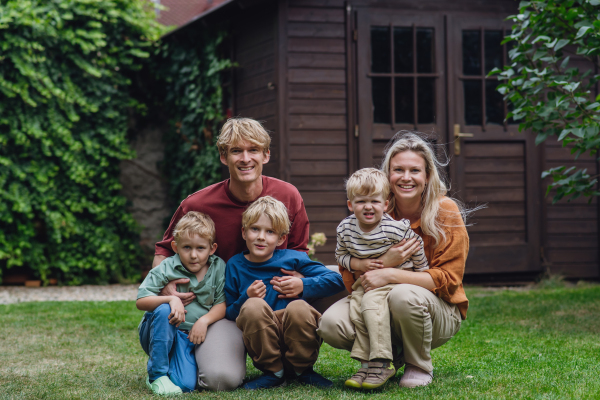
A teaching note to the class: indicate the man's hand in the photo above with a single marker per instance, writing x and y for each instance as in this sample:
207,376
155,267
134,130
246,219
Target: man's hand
177,315
198,332
293,273
289,286
170,289
257,289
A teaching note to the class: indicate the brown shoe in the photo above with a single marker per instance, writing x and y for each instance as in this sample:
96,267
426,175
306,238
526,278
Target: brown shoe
378,374
357,379
415,376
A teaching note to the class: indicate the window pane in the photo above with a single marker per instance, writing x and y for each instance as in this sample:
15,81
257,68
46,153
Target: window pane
403,50
426,100
382,100
425,50
471,52
404,99
473,106
494,105
380,49
493,50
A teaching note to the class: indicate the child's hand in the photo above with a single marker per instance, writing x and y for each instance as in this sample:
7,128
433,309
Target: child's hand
177,315
198,332
257,289
371,265
288,286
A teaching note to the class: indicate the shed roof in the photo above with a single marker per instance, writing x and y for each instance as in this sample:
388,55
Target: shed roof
182,12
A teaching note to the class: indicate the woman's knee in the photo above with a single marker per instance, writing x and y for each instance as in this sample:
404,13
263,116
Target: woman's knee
221,379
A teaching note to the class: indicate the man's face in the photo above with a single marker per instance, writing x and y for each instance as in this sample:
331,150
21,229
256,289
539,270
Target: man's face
245,161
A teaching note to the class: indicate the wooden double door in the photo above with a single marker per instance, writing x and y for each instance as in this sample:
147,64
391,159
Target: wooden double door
428,72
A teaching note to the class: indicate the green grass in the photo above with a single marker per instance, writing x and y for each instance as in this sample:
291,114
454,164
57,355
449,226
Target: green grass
535,344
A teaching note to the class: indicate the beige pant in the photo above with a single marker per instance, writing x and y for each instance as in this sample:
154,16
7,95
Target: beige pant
370,314
419,321
280,339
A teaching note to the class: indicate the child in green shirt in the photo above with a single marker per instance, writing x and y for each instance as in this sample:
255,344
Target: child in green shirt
170,329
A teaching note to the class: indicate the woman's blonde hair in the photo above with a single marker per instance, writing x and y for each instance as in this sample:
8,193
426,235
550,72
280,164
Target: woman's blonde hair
435,188
367,182
236,130
272,208
195,222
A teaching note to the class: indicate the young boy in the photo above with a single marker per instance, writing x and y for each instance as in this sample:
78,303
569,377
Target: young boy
279,331
369,233
169,331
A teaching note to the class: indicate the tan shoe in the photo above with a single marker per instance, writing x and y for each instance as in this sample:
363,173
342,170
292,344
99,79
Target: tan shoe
378,374
415,376
357,379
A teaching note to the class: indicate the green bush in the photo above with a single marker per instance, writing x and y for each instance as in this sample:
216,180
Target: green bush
64,70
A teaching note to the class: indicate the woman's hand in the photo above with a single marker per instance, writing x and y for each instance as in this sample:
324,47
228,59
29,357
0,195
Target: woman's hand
399,253
377,278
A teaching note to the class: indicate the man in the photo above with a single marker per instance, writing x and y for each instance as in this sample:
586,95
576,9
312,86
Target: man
244,147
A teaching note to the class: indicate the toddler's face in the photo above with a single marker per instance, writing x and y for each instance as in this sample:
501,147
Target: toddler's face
261,239
368,210
194,252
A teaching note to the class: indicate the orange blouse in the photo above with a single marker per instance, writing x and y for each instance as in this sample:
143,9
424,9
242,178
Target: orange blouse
446,261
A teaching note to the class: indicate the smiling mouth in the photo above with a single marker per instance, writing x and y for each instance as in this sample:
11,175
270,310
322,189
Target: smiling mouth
406,186
246,168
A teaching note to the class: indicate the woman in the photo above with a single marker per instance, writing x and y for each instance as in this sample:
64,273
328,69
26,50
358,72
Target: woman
426,307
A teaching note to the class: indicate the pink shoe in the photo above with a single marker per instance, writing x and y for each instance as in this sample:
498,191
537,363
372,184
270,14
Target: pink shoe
415,376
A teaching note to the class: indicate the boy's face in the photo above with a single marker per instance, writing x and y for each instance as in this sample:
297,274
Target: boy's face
194,252
368,210
261,239
245,161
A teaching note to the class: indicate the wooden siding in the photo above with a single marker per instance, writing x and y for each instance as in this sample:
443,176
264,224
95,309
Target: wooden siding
316,113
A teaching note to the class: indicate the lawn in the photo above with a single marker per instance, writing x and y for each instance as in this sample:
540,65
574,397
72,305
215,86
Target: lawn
535,344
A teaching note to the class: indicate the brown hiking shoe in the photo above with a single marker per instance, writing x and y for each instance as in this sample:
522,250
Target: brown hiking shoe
357,379
378,374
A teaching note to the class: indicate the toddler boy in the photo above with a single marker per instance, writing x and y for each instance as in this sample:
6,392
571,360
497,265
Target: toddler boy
369,233
169,331
279,331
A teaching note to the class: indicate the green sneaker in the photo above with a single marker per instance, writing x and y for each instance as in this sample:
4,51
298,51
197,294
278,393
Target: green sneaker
357,379
163,386
378,374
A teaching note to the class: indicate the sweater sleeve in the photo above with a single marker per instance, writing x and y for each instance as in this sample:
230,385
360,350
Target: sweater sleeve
319,280
234,299
342,255
447,266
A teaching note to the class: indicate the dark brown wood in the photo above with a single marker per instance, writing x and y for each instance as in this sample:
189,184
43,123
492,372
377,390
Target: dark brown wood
301,106
319,168
282,89
303,60
318,137
317,122
316,45
313,91
325,76
335,15
316,29
318,153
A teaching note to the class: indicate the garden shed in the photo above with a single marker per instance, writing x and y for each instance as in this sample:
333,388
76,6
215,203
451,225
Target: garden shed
333,80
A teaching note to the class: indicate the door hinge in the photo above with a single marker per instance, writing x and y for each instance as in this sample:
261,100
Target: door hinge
355,130
355,35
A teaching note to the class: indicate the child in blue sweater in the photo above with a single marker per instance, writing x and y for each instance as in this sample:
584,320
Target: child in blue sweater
267,299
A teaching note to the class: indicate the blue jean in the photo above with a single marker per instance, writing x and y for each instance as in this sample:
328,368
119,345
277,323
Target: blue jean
169,350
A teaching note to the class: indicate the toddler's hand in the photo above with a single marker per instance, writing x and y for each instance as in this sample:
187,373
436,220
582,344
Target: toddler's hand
198,331
371,265
257,289
177,315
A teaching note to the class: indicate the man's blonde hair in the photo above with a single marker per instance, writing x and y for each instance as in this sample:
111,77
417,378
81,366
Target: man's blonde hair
195,222
272,208
368,182
236,130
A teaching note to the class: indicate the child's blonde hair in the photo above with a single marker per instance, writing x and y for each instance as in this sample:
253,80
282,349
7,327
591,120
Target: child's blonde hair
195,222
236,130
368,182
272,208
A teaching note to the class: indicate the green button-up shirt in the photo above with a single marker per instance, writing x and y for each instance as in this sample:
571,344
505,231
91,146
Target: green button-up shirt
209,291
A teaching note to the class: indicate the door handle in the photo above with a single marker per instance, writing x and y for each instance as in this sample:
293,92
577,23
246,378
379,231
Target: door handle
457,136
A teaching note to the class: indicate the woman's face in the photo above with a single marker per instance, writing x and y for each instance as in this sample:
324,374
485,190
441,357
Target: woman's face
407,176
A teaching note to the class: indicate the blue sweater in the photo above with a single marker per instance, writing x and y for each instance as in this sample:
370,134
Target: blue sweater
240,273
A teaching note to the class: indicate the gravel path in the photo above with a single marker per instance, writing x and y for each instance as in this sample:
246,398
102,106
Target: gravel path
18,294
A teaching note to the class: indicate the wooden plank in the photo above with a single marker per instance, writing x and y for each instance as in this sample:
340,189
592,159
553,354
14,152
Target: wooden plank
318,152
333,214
316,45
327,227
494,150
571,212
245,55
251,69
317,122
578,164
576,270
306,184
505,224
308,60
316,15
572,241
483,195
318,168
495,209
333,137
579,200
262,111
562,154
494,165
568,227
301,106
308,91
570,256
480,238
497,259
499,180
317,3
328,76
259,82
328,199
256,98
316,30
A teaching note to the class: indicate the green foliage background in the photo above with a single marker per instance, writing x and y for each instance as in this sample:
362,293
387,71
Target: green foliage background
551,93
64,68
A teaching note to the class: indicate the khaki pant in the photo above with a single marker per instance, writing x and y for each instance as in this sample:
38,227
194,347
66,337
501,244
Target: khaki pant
370,314
419,321
284,339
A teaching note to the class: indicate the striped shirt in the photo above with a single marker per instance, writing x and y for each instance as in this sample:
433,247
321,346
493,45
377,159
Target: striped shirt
353,242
